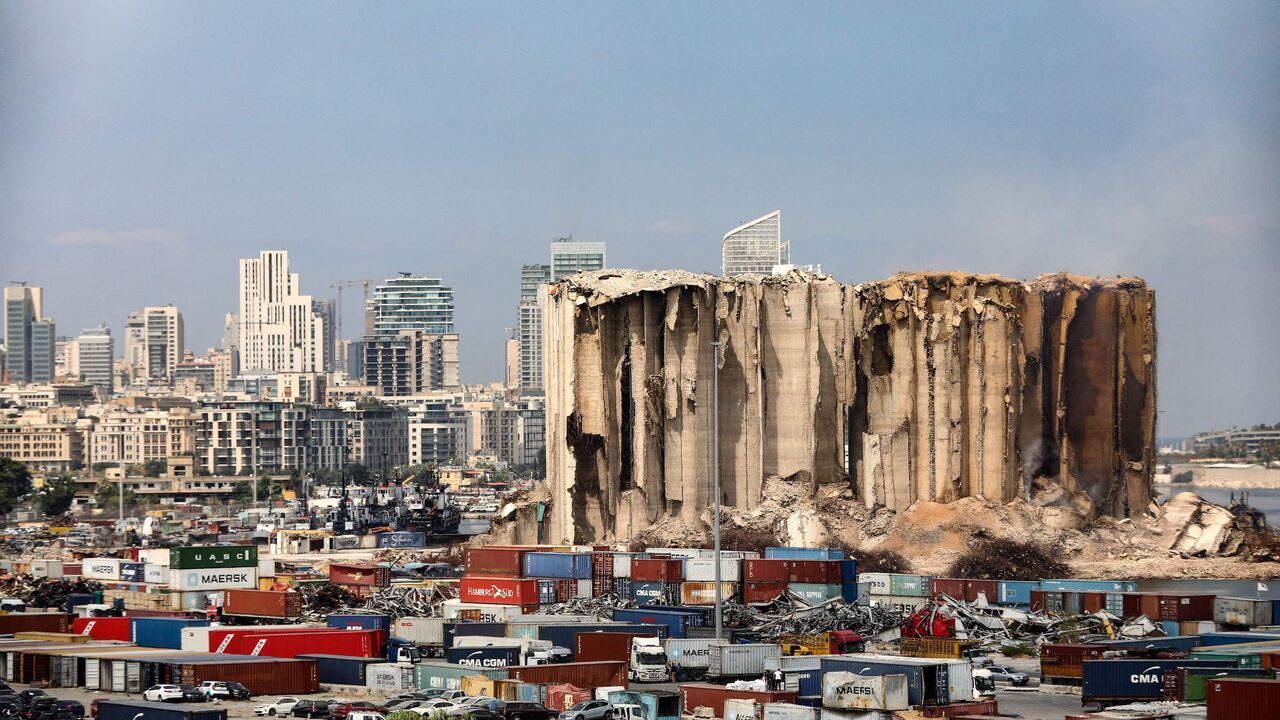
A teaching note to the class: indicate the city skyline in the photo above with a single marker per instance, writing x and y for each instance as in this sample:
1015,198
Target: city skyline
148,148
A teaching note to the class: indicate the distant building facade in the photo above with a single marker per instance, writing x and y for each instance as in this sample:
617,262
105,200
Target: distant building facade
95,352
278,328
755,247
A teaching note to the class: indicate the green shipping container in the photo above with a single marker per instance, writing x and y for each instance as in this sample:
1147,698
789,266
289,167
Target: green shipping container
1195,678
213,556
909,585
1242,659
440,675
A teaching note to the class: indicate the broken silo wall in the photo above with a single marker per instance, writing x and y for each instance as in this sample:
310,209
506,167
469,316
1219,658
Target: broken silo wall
921,387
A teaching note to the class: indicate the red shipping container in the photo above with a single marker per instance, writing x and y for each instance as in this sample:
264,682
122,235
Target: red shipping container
268,676
605,646
951,587
989,588
695,695
72,568
764,571
1094,601
602,565
586,675
762,592
563,697
352,643
1239,698
262,603
498,590
495,561
1186,607
359,574
813,571
34,622
104,628
985,709
227,640
654,570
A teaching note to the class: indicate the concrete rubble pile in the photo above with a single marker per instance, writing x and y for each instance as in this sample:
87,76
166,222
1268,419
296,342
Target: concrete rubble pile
923,387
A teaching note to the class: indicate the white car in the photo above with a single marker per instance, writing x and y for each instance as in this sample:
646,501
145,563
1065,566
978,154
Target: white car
281,707
363,715
454,695
162,693
430,706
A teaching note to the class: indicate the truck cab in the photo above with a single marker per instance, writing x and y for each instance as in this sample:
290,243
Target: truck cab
627,712
402,651
648,661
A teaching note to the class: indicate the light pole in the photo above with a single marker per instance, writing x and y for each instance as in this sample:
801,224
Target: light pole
715,470
120,494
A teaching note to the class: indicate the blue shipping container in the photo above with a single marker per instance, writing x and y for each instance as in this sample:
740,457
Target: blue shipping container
856,593
1235,638
132,572
809,681
566,636
487,629
546,592
1132,679
622,586
799,553
341,669
1090,585
848,571
1016,592
162,632
565,566
75,600
647,591
926,684
486,657
1170,627
1182,643
699,615
130,709
358,621
402,540
677,623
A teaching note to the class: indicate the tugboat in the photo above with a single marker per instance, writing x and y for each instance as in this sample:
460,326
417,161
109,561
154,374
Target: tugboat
428,508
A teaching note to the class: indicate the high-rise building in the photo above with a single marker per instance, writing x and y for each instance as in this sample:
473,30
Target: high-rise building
411,362
95,355
44,340
755,247
512,363
162,342
22,308
569,256
279,328
412,303
327,309
135,340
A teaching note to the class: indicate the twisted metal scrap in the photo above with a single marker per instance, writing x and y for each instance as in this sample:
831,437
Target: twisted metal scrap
401,602
44,592
601,607
791,615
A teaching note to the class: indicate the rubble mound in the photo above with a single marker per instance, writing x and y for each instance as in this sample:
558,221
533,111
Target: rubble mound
992,558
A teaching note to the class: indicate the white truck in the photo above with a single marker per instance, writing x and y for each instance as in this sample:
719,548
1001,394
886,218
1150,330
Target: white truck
648,661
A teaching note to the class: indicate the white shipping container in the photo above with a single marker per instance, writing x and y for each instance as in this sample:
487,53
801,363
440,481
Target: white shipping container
156,556
389,677
704,570
266,566
685,553
840,714
864,692
791,663
585,589
195,639
740,659
879,582
453,607
51,569
900,603
622,565
688,652
738,555
741,709
158,574
213,578
788,711
1240,611
101,568
421,631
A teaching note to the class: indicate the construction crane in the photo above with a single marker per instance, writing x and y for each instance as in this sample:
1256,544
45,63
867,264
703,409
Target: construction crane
337,320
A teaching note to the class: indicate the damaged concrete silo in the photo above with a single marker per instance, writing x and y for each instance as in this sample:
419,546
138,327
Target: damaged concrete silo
920,387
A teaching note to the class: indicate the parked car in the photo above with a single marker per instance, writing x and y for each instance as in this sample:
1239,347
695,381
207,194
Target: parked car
512,710
311,709
224,689
588,710
71,707
429,706
365,706
999,672
454,695
93,707
404,704
473,712
191,693
162,693
365,715
28,696
279,706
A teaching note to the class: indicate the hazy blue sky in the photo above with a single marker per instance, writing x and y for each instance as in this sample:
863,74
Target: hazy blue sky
144,147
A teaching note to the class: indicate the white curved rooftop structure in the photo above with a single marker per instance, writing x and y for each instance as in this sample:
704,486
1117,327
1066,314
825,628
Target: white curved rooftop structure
754,247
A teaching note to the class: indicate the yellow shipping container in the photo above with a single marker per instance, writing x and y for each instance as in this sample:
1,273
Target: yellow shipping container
52,637
477,686
505,689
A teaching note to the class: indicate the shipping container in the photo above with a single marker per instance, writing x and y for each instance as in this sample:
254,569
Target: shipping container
262,603
856,593
1190,683
101,568
739,660
162,632
342,669
501,562
454,629
265,676
389,678
704,570
654,704
789,711
156,574
880,583
1186,607
587,676
498,590
677,623
742,709
1242,698
566,635
765,571
929,682
1235,638
420,630
440,675
1121,586
760,593
213,556
104,628
367,643
645,592
908,585
815,593
1062,661
622,563
402,540
704,593
213,578
133,572
51,569
485,657
455,609
569,566
359,574
1016,592
813,571
848,571
696,695
529,625
604,646
360,621
799,553
852,691
939,648
131,709
1173,642
1130,680
902,604
1242,611
950,587
984,590
657,570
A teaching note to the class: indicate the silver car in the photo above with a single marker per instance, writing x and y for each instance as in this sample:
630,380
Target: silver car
588,710
1013,677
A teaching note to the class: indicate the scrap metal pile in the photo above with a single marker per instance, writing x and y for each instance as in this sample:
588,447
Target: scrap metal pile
44,592
601,607
319,600
994,625
401,602
791,615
